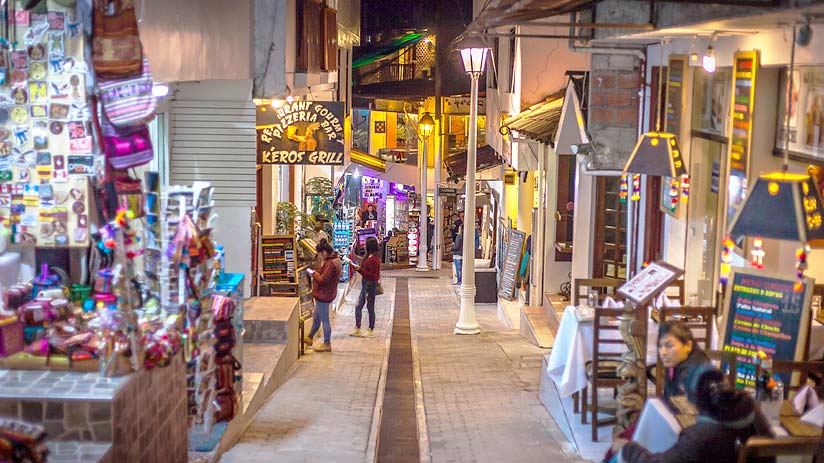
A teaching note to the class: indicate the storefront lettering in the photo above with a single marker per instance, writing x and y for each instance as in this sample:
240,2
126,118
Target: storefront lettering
301,157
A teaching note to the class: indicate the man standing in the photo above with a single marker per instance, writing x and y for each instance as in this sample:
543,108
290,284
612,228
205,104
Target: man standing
369,214
457,225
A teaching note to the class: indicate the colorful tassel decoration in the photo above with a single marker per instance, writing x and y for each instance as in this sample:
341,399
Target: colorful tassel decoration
636,187
800,266
726,260
685,189
758,253
673,193
622,194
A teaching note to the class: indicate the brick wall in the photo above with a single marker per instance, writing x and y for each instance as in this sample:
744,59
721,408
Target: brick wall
615,83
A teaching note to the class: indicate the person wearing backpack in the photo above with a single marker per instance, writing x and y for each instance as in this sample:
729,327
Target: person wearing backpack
324,290
370,269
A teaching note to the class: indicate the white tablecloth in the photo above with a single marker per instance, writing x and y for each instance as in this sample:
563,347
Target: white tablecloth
657,427
573,349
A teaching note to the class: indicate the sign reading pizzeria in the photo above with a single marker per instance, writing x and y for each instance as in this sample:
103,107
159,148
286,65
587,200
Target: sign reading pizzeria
301,132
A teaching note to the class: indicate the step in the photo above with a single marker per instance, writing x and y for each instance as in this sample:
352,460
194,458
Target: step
535,326
266,319
80,452
554,306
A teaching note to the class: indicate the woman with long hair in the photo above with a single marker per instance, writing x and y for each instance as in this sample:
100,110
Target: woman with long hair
324,290
370,269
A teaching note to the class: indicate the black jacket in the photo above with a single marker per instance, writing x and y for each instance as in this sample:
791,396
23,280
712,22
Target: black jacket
706,441
678,384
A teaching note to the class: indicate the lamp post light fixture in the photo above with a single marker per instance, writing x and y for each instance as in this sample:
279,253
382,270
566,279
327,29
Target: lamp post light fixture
425,126
473,54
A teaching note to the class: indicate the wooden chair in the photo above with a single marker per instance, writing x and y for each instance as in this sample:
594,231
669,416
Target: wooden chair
723,357
682,298
699,318
601,371
605,287
764,447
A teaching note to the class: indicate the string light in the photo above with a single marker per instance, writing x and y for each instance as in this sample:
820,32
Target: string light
685,189
726,260
800,266
622,194
636,187
673,194
758,253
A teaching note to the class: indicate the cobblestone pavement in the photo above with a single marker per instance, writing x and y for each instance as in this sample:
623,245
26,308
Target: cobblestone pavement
323,412
480,392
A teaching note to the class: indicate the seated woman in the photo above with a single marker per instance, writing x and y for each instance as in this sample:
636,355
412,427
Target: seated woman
680,356
726,417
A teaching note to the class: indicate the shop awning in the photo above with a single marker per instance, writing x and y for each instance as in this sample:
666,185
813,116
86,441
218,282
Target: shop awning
367,160
540,121
387,50
498,13
375,167
486,158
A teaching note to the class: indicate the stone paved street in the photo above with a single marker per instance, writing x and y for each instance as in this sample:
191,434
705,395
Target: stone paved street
480,392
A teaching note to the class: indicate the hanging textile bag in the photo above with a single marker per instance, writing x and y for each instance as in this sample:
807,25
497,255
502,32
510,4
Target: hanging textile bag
124,148
116,48
129,195
128,102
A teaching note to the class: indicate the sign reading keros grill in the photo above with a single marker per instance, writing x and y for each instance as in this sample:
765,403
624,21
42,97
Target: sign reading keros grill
301,132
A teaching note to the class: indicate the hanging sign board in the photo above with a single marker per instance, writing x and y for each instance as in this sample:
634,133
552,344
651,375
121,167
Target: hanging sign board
511,264
301,132
763,312
743,85
649,282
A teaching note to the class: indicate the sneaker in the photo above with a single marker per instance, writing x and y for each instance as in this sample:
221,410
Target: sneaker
370,333
325,347
357,333
308,341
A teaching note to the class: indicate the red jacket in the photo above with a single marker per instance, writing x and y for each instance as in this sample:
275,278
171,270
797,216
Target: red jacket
371,268
325,280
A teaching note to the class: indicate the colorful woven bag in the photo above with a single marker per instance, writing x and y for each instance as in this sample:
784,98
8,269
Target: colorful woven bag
116,48
126,148
128,102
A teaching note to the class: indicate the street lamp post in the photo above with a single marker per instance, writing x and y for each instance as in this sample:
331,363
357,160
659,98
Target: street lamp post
473,54
426,125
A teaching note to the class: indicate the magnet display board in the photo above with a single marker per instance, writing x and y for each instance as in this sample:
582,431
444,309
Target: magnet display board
763,312
512,262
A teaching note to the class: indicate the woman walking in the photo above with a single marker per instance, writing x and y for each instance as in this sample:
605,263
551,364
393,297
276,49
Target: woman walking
371,272
324,290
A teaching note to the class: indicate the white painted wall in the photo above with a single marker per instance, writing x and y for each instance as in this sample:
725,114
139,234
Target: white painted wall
544,62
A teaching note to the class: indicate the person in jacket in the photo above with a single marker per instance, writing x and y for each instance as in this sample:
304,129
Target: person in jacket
324,290
370,269
457,256
726,418
680,355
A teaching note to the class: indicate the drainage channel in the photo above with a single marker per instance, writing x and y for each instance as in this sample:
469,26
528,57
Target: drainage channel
398,435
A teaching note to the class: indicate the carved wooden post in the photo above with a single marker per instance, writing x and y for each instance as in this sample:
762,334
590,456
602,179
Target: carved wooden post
633,393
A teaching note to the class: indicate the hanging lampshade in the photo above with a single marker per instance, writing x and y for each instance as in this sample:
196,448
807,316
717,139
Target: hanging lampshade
656,153
781,206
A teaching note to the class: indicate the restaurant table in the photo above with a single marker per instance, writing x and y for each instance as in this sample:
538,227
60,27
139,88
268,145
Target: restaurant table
572,350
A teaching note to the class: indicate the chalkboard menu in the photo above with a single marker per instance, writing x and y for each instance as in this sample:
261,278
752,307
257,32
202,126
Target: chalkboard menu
278,255
307,303
745,67
512,261
764,313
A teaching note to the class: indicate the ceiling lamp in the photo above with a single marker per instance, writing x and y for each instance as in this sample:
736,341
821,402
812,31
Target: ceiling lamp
657,153
708,62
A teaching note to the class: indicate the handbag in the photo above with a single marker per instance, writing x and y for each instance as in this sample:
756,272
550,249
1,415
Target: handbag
126,148
128,101
116,48
379,289
129,195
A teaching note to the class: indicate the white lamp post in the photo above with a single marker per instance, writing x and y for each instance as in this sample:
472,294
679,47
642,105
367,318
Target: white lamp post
425,126
473,54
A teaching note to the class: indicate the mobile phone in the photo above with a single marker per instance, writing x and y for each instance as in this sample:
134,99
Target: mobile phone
310,271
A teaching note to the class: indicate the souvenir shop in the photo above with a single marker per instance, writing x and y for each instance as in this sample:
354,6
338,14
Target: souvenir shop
117,318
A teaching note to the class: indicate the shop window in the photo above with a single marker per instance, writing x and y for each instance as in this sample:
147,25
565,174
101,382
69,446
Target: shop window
610,254
564,208
316,37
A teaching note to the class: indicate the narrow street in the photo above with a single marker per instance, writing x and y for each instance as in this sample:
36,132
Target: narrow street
480,393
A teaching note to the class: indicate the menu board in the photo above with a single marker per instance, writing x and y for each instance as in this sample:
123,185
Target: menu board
307,302
278,256
649,282
512,261
743,85
763,312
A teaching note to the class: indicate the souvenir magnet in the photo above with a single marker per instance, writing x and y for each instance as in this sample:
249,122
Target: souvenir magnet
59,111
44,158
23,175
80,235
4,59
40,134
19,115
4,76
37,18
59,162
76,83
59,89
18,76
61,240
56,64
77,130
46,191
56,128
4,117
56,42
5,147
21,132
19,95
37,71
44,173
78,207
38,90
19,59
35,34
57,21
60,176
80,145
6,175
22,18
82,165
37,52
39,111
4,134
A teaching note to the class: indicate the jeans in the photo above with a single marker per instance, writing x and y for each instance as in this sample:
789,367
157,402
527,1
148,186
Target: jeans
458,261
321,315
367,296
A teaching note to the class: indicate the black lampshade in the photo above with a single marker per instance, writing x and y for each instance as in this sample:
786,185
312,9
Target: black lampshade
781,206
656,153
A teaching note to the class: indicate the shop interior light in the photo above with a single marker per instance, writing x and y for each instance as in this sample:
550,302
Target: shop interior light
708,62
278,103
160,89
357,173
